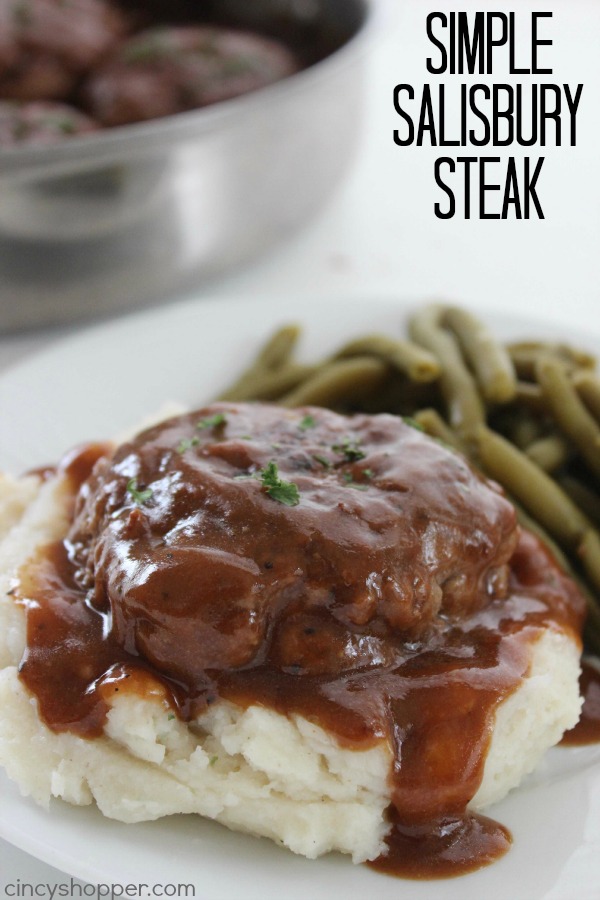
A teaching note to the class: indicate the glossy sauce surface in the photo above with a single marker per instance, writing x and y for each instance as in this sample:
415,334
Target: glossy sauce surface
587,730
442,848
396,600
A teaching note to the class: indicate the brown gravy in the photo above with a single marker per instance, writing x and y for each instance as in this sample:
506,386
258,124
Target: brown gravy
115,606
443,849
587,730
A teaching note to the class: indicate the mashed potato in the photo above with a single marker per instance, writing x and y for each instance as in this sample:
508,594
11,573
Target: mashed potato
252,769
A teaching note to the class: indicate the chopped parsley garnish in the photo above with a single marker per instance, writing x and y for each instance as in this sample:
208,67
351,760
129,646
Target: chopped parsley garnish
139,497
146,50
238,66
215,421
63,123
170,717
307,422
408,420
350,450
349,480
285,492
213,760
368,473
186,444
323,460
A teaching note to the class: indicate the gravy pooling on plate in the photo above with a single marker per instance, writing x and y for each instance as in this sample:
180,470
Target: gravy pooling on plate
346,568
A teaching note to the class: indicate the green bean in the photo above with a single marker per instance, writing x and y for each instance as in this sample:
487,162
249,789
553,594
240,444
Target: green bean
593,617
336,381
549,453
274,354
539,494
589,553
530,395
489,360
278,349
283,381
525,354
569,411
273,385
414,361
432,424
588,388
586,499
465,409
400,396
524,429
534,526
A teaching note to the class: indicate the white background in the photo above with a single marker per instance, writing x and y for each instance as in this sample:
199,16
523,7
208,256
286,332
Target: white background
380,236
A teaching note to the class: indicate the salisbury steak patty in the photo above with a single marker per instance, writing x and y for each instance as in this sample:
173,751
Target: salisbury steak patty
46,45
169,70
240,531
41,122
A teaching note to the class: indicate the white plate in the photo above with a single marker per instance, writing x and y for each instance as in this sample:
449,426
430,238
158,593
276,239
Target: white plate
101,382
